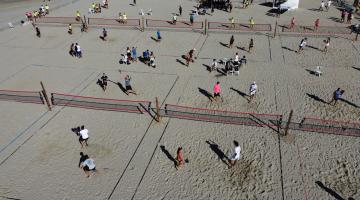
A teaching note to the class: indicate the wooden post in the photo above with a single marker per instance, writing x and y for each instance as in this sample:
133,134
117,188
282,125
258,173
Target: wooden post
288,123
157,110
142,28
85,20
45,95
275,29
205,27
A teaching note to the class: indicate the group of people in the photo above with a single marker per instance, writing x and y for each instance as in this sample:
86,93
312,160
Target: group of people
96,7
303,44
75,50
42,11
103,82
217,91
346,15
129,56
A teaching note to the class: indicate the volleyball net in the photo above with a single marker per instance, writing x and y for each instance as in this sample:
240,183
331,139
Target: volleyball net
57,20
321,30
220,116
152,23
114,22
238,27
21,96
139,107
327,126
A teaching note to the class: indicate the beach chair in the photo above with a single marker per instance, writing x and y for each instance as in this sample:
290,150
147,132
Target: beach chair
317,71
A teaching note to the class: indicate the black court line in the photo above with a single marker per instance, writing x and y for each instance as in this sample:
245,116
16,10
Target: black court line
137,147
49,119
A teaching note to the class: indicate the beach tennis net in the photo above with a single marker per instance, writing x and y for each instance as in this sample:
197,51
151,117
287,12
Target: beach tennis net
114,22
238,27
327,126
151,23
100,103
219,116
57,20
21,96
322,30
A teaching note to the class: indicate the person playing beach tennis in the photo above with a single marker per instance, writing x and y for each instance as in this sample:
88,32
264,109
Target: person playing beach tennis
336,96
235,156
128,88
179,158
158,36
38,34
70,31
302,45
84,136
327,44
217,91
104,34
251,45
88,166
232,40
252,91
104,80
292,22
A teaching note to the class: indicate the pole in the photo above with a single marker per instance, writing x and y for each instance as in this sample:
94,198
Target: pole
205,30
288,123
157,110
85,20
142,24
275,29
45,95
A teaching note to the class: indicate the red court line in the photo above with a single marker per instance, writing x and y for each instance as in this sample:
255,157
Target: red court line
324,131
86,97
23,101
223,121
277,115
334,121
25,91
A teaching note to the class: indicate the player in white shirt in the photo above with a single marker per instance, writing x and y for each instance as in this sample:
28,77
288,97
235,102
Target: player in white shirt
88,166
236,155
253,90
84,136
236,60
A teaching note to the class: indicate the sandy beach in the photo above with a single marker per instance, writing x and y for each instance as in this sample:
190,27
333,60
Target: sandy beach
134,154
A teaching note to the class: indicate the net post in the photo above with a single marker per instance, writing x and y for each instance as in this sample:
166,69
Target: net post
142,28
275,29
85,20
279,123
288,123
45,95
205,27
157,109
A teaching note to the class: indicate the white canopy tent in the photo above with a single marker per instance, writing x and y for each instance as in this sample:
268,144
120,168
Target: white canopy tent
290,5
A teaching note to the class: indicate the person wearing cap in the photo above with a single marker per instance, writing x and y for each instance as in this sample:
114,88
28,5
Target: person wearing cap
252,91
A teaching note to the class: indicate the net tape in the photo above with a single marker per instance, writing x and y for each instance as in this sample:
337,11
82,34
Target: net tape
100,104
57,20
21,96
225,117
239,27
330,30
151,23
113,22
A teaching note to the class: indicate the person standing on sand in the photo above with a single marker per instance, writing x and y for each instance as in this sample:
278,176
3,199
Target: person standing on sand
231,43
327,44
104,34
236,155
179,159
316,24
180,10
134,54
252,91
84,136
251,45
217,91
70,31
38,34
128,88
174,18
292,23
104,80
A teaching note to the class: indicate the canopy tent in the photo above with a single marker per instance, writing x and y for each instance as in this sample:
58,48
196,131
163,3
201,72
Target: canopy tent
290,5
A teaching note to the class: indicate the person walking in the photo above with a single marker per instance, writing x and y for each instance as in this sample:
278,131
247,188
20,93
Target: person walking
179,158
252,91
88,166
251,45
180,10
302,45
236,155
128,88
217,91
231,43
84,136
336,96
322,6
